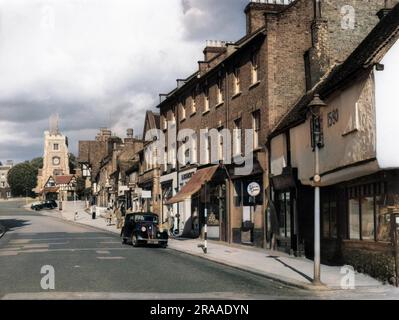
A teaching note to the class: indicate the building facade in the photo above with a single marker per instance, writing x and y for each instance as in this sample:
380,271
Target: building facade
249,84
358,161
5,191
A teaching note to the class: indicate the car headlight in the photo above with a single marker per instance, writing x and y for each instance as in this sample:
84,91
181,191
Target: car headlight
143,229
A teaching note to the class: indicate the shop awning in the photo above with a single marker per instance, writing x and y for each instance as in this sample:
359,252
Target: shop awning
194,185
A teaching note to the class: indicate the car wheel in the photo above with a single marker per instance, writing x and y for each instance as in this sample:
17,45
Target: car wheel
164,245
135,242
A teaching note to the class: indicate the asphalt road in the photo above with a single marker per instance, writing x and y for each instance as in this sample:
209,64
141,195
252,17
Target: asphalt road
90,264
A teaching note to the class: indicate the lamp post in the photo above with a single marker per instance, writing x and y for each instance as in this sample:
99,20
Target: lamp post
317,142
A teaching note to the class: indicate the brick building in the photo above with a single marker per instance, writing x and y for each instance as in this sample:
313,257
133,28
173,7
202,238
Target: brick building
250,84
359,165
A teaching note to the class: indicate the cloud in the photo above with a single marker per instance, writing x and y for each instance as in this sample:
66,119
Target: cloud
97,62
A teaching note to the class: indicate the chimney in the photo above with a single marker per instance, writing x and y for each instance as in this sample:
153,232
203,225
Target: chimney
255,12
388,6
214,48
317,59
129,136
130,133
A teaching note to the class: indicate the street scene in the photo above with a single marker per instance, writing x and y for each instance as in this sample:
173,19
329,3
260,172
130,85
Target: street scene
262,168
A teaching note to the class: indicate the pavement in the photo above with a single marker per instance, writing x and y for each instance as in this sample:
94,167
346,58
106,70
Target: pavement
273,265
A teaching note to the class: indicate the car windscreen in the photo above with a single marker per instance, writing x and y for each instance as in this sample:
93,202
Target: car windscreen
146,218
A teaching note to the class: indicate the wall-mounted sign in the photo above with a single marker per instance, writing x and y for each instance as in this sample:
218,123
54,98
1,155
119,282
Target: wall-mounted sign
253,189
146,194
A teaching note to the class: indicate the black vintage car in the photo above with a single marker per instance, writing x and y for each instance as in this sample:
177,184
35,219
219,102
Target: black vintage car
49,204
143,228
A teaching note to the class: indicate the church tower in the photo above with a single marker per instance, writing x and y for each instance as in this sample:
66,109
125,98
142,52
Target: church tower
55,157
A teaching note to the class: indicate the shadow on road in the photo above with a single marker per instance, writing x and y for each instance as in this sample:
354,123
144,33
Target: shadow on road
13,224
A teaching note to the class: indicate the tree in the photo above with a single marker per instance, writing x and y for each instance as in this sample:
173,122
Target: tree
37,163
73,163
22,178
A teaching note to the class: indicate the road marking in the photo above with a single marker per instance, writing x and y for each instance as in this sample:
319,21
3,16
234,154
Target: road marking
103,252
111,258
60,239
8,253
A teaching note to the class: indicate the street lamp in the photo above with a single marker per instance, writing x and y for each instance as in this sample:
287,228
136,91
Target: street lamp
317,142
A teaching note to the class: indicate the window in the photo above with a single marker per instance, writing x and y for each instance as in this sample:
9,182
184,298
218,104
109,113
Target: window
183,110
237,84
255,67
366,213
329,215
193,102
284,214
56,147
237,137
220,91
221,144
164,123
206,99
256,128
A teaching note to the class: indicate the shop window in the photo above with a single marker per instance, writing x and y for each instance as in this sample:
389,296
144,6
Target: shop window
367,218
284,214
354,219
367,210
383,220
329,215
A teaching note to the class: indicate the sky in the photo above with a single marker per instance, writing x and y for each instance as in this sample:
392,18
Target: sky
98,63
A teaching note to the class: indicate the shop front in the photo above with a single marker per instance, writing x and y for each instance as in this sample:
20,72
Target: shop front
205,189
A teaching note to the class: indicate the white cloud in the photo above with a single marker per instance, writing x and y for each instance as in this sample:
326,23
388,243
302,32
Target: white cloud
86,59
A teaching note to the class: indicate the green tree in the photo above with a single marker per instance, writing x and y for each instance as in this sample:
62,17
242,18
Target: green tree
37,163
73,163
22,178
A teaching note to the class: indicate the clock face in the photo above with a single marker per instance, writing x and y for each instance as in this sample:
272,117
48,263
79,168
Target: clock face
56,161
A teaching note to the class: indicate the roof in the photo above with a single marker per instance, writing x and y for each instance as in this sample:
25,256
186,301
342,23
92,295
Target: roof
370,51
194,185
238,46
63,179
50,190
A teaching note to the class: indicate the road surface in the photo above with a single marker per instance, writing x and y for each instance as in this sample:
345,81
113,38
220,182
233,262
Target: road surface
92,264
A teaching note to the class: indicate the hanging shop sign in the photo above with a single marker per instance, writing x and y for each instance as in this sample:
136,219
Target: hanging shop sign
253,189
